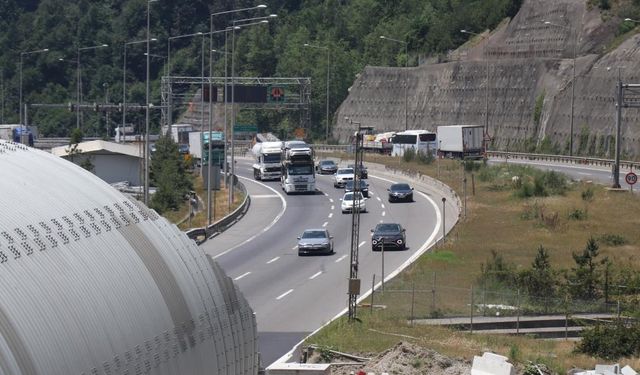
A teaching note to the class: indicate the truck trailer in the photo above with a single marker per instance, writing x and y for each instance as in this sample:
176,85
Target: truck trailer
461,141
268,159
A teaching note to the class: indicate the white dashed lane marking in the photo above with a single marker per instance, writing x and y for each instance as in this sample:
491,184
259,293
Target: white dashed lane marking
341,258
274,259
325,224
295,247
362,243
382,206
330,215
379,200
315,275
383,213
241,276
284,294
331,200
333,207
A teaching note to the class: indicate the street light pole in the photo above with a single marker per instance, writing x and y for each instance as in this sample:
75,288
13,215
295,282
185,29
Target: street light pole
21,59
573,82
146,106
78,79
124,82
406,77
326,135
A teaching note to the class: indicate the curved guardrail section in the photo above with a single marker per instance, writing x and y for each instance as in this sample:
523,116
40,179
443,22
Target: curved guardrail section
200,235
96,282
563,159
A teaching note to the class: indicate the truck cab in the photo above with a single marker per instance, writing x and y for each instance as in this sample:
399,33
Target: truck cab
297,168
268,159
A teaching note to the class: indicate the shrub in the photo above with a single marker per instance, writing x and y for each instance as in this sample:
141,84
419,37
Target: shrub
471,165
612,239
525,190
425,157
577,214
611,341
409,154
587,194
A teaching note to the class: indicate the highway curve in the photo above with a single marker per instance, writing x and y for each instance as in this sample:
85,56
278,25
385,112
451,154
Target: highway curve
293,296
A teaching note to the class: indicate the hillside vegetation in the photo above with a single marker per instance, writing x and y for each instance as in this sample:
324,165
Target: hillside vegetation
351,29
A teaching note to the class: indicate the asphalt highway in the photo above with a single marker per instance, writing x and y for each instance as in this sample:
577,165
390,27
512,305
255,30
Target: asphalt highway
293,296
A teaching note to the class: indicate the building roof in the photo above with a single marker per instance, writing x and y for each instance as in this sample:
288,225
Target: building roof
101,147
96,282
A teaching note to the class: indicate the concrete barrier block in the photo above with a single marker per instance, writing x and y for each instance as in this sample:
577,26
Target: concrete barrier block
491,364
627,370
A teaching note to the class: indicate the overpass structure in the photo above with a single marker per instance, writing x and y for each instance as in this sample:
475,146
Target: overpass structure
96,283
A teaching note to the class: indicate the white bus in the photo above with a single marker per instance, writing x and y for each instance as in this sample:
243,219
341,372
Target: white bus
420,140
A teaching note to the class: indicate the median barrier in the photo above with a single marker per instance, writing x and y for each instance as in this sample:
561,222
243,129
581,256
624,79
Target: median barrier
200,235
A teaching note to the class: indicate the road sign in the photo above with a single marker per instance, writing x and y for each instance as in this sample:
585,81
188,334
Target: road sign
238,128
631,178
276,94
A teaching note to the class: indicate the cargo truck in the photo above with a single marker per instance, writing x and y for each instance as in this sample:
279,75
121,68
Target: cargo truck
199,145
297,168
461,141
268,159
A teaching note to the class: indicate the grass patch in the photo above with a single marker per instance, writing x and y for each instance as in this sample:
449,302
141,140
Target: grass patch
512,226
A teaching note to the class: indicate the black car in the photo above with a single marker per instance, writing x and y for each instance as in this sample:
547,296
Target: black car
389,235
400,192
362,170
364,187
326,166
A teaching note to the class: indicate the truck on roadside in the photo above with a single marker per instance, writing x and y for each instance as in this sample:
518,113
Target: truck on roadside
461,141
297,168
199,147
268,159
378,143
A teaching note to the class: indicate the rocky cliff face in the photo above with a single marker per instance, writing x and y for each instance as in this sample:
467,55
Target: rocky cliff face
523,74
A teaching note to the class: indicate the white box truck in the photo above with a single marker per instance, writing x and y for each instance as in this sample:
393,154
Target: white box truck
461,141
268,156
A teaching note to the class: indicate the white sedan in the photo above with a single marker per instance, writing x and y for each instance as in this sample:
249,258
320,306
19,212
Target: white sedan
342,176
350,200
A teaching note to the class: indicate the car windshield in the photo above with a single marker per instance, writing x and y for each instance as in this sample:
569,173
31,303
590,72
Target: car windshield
363,184
349,196
388,228
296,170
345,171
314,234
327,163
400,187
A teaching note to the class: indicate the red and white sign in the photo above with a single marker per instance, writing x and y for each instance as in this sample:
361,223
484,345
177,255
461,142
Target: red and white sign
631,178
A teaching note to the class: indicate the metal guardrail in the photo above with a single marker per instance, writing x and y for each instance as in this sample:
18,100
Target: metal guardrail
200,235
563,159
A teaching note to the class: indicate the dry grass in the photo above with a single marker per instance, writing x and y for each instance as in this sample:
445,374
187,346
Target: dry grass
495,222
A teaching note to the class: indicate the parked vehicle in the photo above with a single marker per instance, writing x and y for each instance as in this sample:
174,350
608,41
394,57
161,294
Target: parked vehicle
199,147
380,143
351,200
297,168
326,167
364,187
361,170
389,235
400,192
342,176
461,141
268,159
315,241
419,140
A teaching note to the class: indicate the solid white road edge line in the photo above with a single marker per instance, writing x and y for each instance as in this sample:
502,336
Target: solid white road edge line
284,294
273,260
315,275
420,251
277,218
241,276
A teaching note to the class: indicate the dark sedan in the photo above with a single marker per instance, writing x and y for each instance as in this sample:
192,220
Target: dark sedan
389,235
362,170
326,167
364,187
315,241
400,192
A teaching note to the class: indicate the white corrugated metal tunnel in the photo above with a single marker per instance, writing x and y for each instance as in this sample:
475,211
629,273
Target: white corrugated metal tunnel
93,282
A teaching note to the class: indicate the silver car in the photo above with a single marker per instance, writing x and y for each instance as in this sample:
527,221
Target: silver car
315,241
342,176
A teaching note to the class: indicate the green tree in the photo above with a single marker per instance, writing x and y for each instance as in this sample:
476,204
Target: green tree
539,281
168,174
584,278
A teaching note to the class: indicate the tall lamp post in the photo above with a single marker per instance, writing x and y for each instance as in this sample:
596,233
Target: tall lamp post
326,135
486,92
258,21
21,58
124,81
406,80
169,40
79,78
146,106
573,81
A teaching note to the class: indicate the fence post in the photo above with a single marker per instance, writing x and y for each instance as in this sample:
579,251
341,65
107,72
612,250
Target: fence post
566,321
413,298
471,317
433,294
518,313
373,290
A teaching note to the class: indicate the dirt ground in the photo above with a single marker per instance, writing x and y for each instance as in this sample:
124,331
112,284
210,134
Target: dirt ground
404,358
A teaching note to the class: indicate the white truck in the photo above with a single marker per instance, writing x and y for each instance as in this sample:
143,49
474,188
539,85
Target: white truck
268,158
461,141
298,172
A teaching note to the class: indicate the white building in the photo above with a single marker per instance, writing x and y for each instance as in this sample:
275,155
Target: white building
112,162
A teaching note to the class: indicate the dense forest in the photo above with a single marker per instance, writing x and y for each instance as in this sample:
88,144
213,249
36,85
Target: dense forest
351,30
